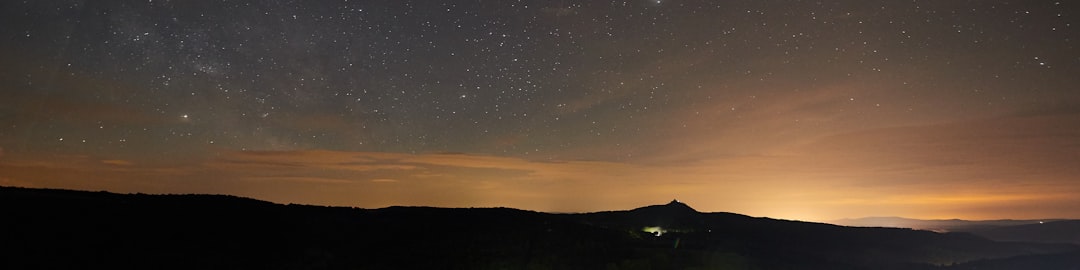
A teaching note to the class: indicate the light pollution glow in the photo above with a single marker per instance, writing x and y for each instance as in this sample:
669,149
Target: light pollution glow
808,110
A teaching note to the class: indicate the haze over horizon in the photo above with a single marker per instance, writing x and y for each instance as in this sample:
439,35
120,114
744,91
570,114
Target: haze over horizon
790,109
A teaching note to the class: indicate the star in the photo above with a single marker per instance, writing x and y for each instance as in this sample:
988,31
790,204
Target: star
695,97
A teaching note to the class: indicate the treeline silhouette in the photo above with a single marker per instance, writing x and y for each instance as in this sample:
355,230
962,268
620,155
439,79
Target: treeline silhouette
63,229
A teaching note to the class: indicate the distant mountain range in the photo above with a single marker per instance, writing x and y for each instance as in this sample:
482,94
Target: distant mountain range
1034,230
63,229
933,224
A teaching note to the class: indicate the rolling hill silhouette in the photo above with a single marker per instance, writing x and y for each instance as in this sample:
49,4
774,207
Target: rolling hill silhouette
74,229
935,224
1041,231
1061,231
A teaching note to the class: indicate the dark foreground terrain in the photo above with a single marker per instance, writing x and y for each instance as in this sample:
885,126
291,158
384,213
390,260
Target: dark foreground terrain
1009,230
61,229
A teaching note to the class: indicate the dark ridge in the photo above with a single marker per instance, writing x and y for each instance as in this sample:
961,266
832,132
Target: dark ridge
1063,261
63,229
1032,230
673,207
1061,231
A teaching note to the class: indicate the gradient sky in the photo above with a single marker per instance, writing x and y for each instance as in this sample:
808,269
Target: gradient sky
811,110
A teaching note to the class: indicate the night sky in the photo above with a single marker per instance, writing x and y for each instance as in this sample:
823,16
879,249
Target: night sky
809,110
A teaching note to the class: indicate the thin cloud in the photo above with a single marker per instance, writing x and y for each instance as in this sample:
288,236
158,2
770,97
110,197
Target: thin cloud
117,162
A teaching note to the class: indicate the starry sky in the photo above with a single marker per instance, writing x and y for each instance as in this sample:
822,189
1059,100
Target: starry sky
811,110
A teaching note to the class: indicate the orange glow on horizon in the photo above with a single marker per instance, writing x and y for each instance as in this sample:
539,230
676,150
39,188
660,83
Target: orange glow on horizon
749,186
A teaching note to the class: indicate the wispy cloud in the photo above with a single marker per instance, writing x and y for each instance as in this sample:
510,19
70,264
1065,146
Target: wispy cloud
916,170
117,162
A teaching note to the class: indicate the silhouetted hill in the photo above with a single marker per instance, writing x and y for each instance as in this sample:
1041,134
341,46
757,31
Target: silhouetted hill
675,207
1058,261
60,229
1040,231
672,216
1062,231
933,224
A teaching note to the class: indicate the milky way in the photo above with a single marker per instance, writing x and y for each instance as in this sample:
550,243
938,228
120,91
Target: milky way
791,109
